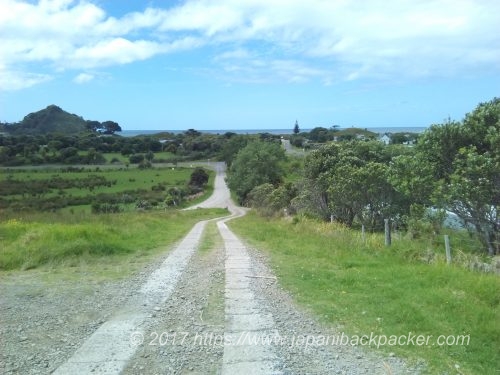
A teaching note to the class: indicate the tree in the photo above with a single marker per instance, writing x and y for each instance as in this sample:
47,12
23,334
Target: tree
473,194
349,181
199,178
149,156
457,168
69,155
106,127
256,164
296,129
192,133
231,148
94,157
472,189
320,135
93,126
111,127
136,158
270,200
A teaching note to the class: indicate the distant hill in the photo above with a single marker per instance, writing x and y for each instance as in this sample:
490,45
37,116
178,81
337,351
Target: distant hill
55,120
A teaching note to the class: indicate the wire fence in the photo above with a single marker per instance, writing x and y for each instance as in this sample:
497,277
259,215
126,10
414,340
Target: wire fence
461,247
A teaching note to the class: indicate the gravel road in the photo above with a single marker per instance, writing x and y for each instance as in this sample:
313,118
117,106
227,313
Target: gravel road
220,311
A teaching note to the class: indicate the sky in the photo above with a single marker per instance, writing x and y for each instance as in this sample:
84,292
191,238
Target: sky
250,64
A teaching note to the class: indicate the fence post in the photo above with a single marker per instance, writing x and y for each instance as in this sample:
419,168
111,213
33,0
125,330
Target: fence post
387,233
448,249
363,232
331,218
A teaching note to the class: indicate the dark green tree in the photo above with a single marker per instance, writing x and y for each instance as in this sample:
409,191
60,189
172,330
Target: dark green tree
349,181
256,164
110,127
231,148
456,167
199,178
296,129
320,135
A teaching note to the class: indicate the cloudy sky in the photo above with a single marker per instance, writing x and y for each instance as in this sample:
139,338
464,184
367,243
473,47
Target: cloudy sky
250,64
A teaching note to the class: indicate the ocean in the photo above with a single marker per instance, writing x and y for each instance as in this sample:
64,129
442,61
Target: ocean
381,130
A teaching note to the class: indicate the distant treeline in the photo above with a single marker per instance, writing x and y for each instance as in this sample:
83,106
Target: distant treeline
89,148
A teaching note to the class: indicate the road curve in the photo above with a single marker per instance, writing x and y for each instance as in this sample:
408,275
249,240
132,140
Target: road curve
246,321
221,197
108,350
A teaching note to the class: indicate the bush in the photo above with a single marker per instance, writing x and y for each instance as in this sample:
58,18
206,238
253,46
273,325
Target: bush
105,208
199,178
136,158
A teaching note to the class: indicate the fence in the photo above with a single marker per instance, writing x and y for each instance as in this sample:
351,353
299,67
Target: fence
469,251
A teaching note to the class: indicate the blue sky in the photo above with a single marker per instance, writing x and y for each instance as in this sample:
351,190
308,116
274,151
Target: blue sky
250,64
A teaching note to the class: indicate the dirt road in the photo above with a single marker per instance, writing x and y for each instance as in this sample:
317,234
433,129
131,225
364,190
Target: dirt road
219,312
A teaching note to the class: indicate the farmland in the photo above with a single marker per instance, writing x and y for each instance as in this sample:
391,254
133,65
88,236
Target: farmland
78,188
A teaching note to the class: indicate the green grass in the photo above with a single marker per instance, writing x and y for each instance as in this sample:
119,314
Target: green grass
362,287
126,178
122,181
53,239
211,238
125,158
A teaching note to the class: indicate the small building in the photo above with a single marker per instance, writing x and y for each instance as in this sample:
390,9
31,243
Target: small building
385,139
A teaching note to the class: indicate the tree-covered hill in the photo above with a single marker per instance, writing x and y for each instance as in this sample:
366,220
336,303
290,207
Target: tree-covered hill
53,119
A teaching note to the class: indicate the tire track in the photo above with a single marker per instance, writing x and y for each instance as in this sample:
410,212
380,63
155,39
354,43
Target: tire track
247,323
108,350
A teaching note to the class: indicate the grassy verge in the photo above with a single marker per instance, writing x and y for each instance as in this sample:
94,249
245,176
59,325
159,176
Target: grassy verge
363,287
53,239
211,239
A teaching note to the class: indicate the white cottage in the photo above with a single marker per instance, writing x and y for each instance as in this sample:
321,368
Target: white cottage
385,139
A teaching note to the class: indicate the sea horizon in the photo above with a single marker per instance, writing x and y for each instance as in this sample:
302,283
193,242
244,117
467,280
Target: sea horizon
378,130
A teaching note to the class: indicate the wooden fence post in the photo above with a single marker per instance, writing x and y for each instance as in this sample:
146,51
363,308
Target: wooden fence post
448,248
387,233
363,232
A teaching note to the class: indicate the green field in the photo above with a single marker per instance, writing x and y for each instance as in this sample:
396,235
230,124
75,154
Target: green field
48,216
43,189
124,159
361,287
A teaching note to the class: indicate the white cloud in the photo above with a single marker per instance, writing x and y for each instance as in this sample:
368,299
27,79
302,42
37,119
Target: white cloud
326,40
112,52
83,78
375,38
11,80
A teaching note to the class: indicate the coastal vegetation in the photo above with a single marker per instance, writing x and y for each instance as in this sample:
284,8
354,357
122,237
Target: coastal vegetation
454,169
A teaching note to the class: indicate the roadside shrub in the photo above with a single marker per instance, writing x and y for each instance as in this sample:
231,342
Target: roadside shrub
199,178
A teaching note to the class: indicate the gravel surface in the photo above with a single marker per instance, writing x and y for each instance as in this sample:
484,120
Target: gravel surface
301,349
43,323
186,337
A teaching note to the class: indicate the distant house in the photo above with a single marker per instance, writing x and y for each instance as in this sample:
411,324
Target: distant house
385,139
411,142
